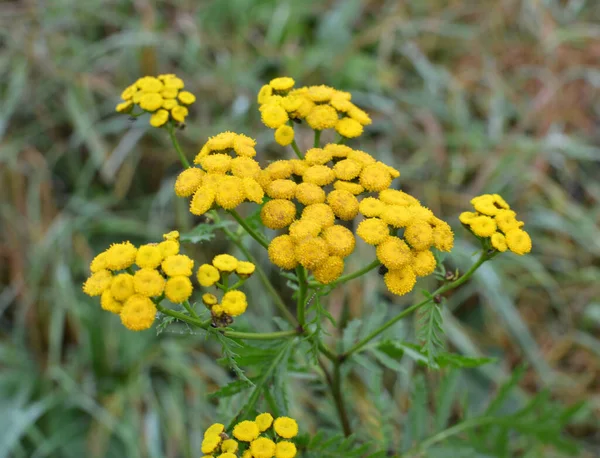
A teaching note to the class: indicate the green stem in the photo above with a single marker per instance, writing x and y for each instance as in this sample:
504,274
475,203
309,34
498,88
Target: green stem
482,258
418,449
336,391
182,157
342,140
317,138
348,277
190,310
296,149
248,229
302,287
261,335
182,317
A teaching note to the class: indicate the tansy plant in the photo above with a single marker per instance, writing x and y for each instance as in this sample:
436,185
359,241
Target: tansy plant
311,211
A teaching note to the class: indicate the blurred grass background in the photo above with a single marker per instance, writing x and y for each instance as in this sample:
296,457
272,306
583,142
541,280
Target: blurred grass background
466,97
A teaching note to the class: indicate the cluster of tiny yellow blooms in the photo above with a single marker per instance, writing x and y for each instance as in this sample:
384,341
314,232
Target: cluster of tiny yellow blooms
494,219
233,303
161,270
261,438
227,175
321,107
162,96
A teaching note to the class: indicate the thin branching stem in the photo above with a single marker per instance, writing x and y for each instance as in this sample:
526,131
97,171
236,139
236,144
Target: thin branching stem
255,235
182,157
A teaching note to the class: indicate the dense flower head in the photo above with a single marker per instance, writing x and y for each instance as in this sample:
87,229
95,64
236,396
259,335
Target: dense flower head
162,96
263,437
494,221
132,276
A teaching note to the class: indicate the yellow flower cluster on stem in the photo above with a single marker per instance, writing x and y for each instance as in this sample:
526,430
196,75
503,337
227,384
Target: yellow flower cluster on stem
263,437
495,222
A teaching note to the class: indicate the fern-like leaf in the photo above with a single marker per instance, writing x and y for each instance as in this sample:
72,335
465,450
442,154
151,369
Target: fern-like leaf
430,332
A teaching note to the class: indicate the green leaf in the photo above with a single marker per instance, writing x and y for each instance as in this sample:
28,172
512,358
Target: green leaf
204,232
232,388
229,354
456,360
397,349
430,332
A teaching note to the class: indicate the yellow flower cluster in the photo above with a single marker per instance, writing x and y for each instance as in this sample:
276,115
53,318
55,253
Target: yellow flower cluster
494,219
322,107
128,292
233,302
227,177
261,438
162,96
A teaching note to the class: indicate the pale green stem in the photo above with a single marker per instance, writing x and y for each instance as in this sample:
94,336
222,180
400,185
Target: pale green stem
296,149
182,157
302,287
352,276
189,308
248,229
317,138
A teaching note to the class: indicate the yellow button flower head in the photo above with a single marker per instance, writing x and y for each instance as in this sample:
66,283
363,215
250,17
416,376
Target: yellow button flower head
375,177
278,213
285,427
209,299
222,141
321,175
264,421
225,262
499,241
98,263
216,163
419,234
151,101
138,313
443,237
397,216
359,115
349,128
120,256
284,135
234,303
229,446
187,98
361,156
353,188
173,235
311,252
188,181
214,430
298,166
322,117
322,213
317,156
518,241
320,94
178,289
203,200
291,103
486,204
282,252
124,107
347,169
340,240
244,269
500,202
330,270
168,104
210,443
230,192
395,197
262,448
423,263
159,118
467,217
167,248
371,207
109,303
148,282
421,213
129,91
338,151
373,231
279,170
343,203
150,84
309,193
400,281
506,220
244,145
179,113
122,287
281,189
169,93
227,454
264,94
285,449
394,253
483,226
304,228
252,190
273,115
178,264
246,431
243,167
283,83
97,283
